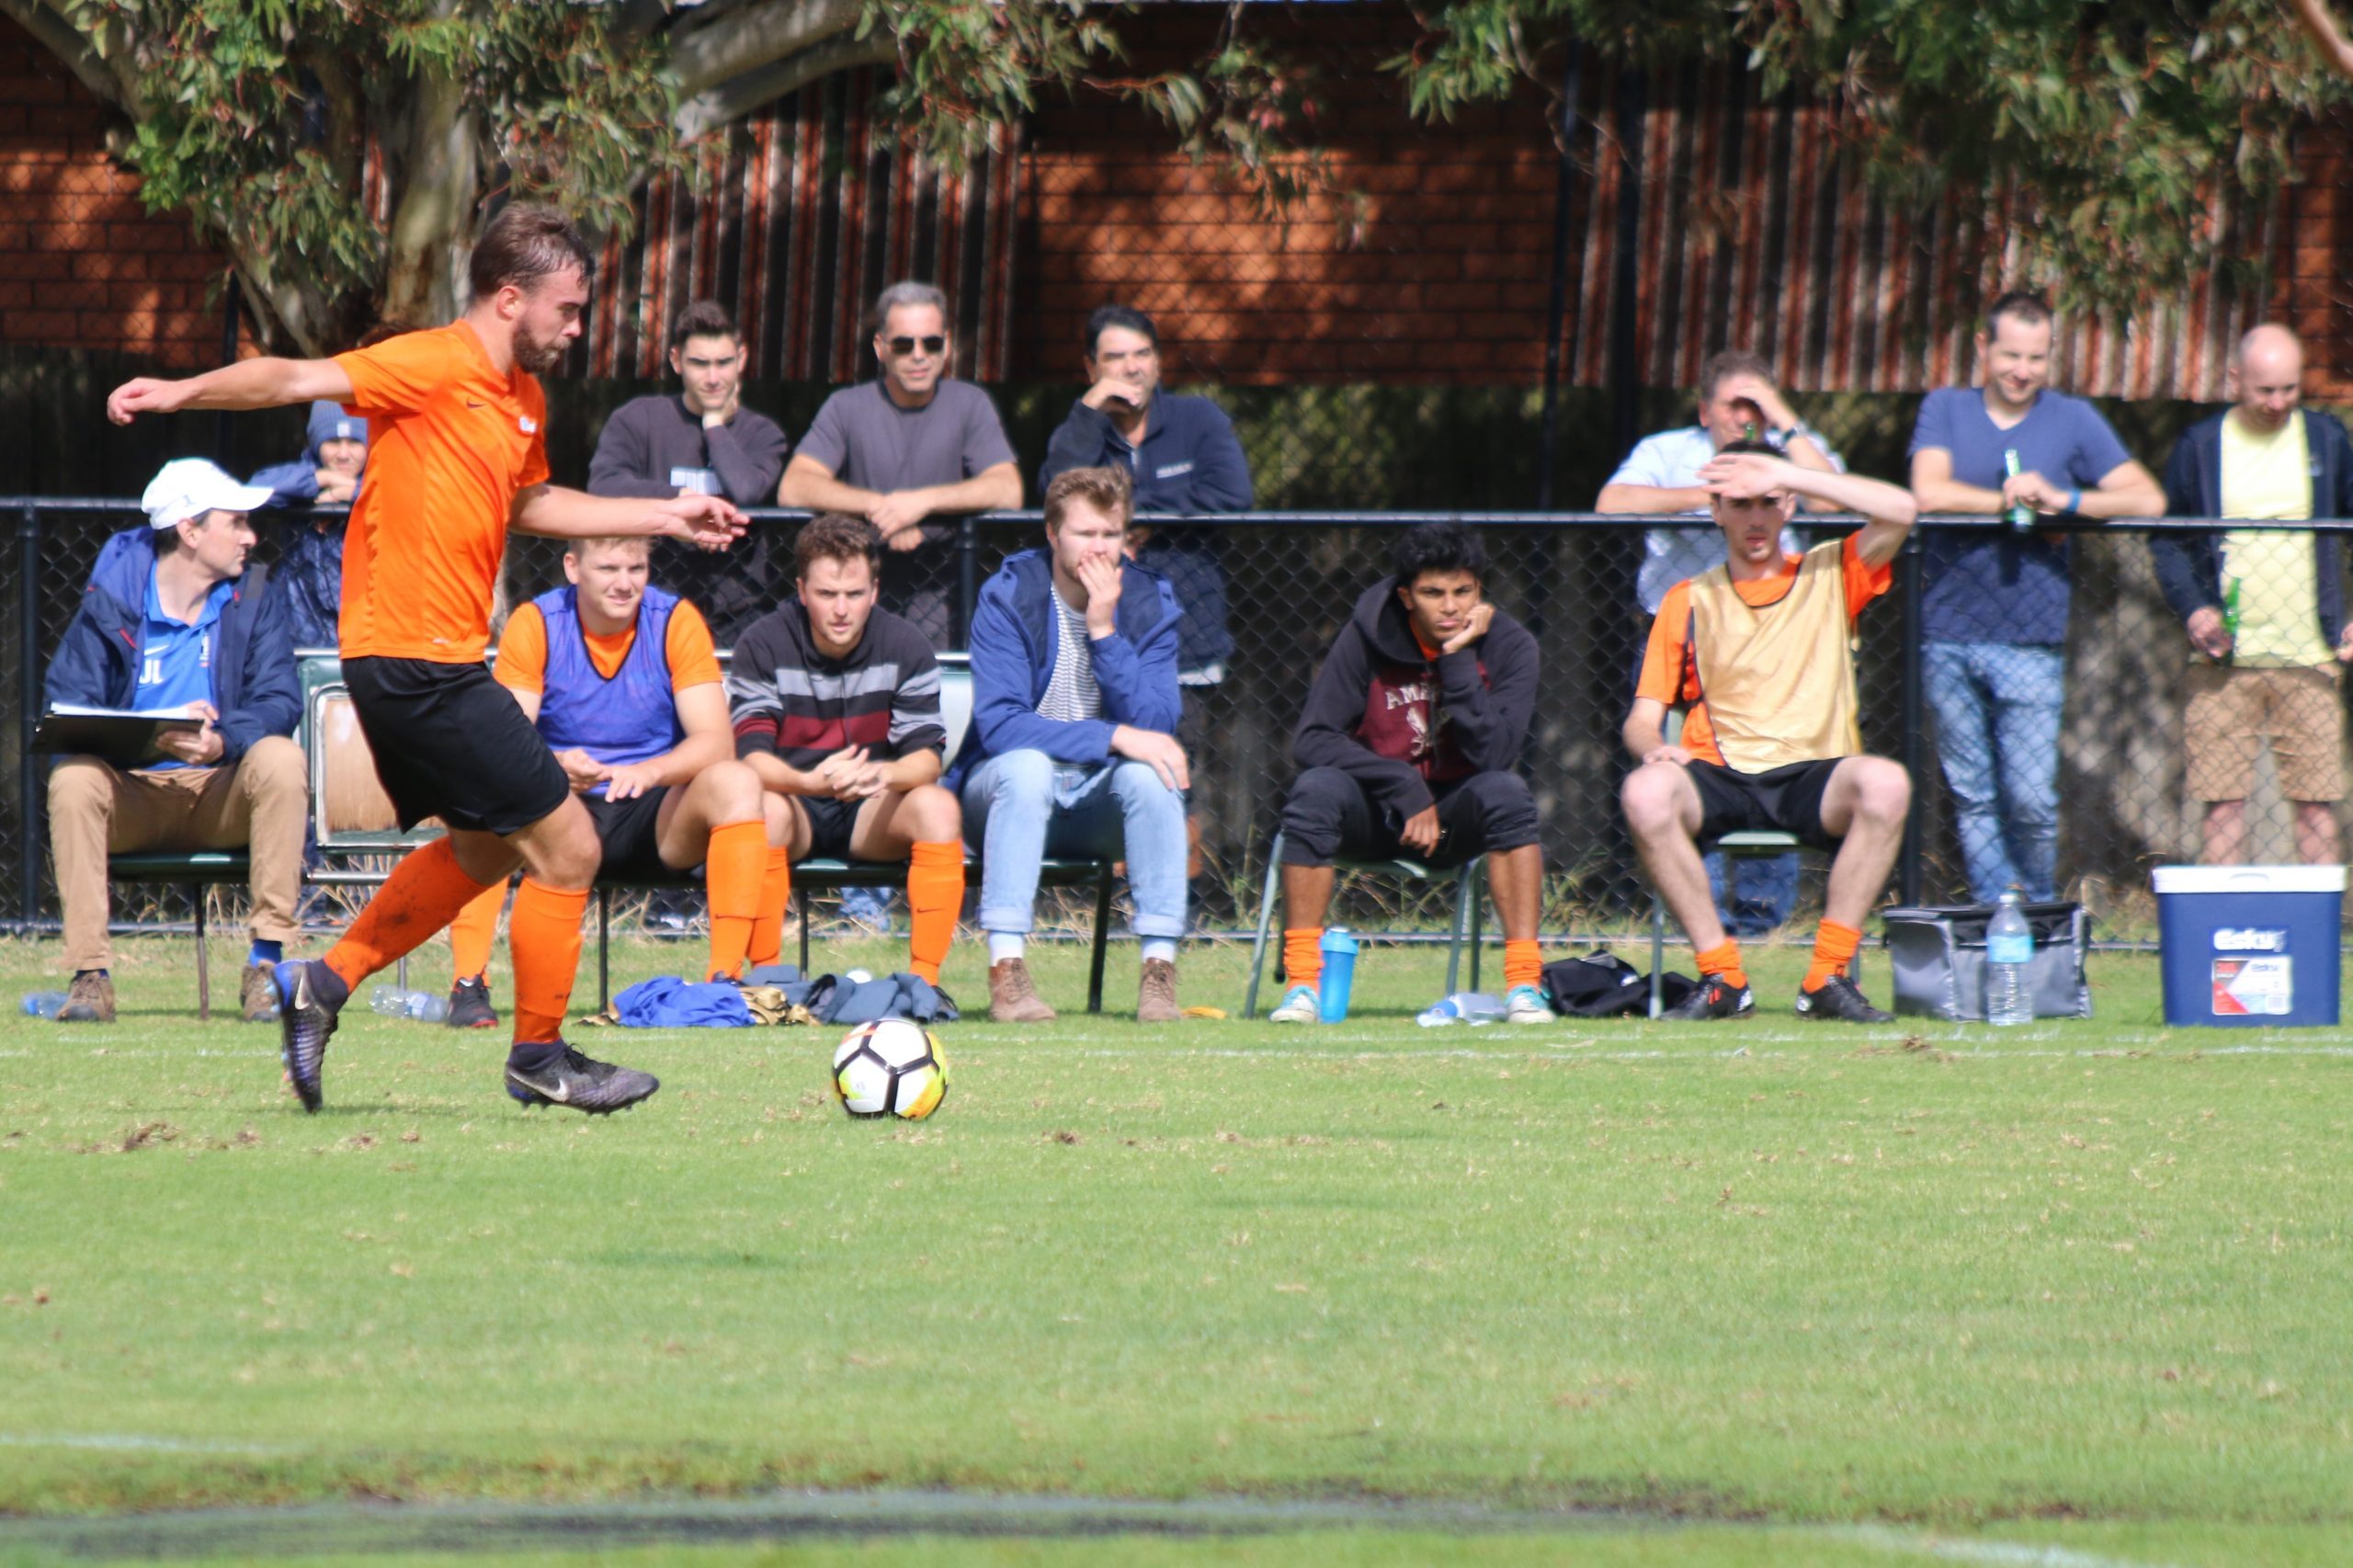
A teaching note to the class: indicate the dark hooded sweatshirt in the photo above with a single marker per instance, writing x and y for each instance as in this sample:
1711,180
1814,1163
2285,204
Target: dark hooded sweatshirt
1405,726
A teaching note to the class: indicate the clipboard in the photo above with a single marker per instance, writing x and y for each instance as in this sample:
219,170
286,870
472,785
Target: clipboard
113,735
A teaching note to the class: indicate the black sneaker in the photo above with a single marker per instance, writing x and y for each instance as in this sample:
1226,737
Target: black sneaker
306,1021
1840,999
470,1005
597,1088
1714,999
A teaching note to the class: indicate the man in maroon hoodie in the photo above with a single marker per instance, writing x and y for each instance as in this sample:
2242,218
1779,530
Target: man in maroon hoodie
1409,746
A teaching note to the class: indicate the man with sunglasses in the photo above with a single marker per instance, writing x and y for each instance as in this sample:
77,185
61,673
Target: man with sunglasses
907,449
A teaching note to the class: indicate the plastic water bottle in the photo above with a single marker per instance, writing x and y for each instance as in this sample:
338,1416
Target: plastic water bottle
394,1002
1473,1007
1339,951
2009,955
44,1003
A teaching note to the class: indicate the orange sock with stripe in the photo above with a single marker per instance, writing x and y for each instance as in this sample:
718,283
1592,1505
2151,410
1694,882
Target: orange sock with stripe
767,944
1833,949
423,895
1523,965
543,941
935,897
475,930
1722,962
1304,956
732,868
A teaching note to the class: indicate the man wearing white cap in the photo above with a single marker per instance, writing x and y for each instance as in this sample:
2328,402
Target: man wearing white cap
185,628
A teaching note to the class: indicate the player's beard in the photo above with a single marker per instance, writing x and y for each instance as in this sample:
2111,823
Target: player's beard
537,356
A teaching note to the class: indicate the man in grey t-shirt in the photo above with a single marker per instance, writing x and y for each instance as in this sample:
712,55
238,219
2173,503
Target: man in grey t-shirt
700,440
905,449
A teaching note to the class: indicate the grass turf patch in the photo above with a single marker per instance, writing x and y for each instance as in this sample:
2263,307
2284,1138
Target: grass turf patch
1764,1270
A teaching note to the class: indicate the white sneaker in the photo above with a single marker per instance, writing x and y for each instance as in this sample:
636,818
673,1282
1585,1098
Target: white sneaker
1299,1005
1526,1005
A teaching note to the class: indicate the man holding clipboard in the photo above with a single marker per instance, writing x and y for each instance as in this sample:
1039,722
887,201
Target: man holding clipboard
182,629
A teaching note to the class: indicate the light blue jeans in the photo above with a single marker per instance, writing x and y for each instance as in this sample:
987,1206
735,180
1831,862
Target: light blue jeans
1997,734
1023,806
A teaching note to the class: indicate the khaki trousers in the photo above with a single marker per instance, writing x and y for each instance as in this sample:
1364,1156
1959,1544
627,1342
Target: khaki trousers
257,804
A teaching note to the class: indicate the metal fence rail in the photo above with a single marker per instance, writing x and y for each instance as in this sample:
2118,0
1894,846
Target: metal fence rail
1291,579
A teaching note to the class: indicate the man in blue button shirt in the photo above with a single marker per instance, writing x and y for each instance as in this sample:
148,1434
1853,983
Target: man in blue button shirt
182,627
1995,611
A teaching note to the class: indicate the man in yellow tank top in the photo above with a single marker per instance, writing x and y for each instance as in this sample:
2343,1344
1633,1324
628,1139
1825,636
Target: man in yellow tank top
2264,608
1759,652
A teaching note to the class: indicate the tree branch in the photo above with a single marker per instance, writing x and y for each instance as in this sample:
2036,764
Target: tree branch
739,95
2322,27
703,56
74,50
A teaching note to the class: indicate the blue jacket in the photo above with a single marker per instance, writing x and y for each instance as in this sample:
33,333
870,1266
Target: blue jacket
1190,462
2189,565
310,550
255,683
1013,645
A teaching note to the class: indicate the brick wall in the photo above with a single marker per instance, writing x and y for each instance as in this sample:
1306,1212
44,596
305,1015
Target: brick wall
81,264
2313,288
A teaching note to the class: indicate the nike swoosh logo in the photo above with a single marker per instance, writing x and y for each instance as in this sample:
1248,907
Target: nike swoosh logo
471,404
561,1093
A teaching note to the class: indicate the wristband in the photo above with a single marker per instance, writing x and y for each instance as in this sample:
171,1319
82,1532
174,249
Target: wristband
2075,500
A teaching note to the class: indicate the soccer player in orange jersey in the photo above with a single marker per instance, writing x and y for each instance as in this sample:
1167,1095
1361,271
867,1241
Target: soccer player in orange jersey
460,459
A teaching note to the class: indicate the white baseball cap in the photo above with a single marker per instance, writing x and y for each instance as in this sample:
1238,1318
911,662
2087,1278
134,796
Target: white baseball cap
189,487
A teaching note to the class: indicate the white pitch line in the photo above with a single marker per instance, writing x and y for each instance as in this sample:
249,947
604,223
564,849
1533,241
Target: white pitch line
130,1442
2002,1553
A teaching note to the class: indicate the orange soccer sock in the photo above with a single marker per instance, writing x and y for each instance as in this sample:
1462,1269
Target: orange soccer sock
543,941
734,867
1523,965
767,944
424,894
1723,962
476,929
1833,949
1304,956
935,897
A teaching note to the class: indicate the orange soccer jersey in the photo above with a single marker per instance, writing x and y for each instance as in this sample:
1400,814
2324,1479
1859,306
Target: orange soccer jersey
454,443
1667,677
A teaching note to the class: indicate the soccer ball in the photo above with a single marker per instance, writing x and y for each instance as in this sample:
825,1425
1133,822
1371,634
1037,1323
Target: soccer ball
890,1067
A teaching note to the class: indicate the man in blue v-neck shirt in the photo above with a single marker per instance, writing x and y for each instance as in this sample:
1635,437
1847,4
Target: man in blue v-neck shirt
180,624
1995,609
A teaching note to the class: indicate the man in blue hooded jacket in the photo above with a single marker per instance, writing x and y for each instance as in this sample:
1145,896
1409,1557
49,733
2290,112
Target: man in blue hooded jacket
309,547
182,625
1073,749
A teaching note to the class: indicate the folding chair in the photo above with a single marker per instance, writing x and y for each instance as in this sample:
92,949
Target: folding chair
1470,909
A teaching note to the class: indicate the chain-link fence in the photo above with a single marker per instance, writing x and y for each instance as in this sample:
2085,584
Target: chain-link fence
2124,739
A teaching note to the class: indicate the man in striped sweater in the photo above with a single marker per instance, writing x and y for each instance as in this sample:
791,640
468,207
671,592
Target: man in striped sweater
836,708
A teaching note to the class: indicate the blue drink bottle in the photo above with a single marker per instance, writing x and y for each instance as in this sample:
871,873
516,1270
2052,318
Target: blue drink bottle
1339,972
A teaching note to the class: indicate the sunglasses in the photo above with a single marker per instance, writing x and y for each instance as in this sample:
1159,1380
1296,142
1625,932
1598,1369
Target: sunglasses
906,346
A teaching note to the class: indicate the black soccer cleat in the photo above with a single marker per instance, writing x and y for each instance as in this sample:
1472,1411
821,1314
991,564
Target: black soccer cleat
581,1083
1840,999
306,1022
470,1005
1714,999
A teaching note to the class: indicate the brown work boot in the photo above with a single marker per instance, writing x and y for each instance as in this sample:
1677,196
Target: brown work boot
258,995
1012,998
89,1000
1157,994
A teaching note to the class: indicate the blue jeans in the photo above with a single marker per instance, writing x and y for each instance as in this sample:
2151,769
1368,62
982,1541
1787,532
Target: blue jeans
1997,733
1768,888
1023,806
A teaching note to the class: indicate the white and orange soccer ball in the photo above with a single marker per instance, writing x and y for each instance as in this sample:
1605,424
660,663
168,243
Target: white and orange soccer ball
890,1067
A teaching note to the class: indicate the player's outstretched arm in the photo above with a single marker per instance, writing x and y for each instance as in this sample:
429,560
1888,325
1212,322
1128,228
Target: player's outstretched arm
249,383
555,512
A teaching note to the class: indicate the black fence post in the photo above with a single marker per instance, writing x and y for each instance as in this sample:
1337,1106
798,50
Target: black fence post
968,577
1915,720
29,713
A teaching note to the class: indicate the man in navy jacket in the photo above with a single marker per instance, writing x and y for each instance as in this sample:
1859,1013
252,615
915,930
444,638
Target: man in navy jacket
184,626
1073,748
2264,608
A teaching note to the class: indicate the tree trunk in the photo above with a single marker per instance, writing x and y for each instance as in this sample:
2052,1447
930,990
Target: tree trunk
441,183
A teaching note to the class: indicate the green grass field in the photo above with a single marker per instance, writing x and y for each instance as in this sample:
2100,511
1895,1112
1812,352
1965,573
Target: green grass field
1630,1293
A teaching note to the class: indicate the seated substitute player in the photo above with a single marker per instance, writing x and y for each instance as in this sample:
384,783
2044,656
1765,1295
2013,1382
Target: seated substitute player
1073,748
836,705
623,682
1408,746
1761,648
